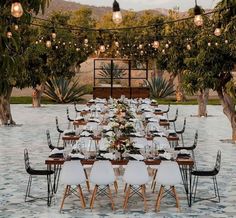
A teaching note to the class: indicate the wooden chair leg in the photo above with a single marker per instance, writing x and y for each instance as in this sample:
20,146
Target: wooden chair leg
126,198
81,197
116,186
144,197
154,177
110,196
87,181
93,196
125,187
64,197
159,197
176,198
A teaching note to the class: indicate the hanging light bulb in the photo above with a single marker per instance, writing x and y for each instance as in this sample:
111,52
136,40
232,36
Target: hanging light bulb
217,31
102,48
156,44
188,46
140,46
209,44
117,44
9,33
16,27
54,35
198,20
48,43
86,40
16,9
167,45
36,42
116,16
226,41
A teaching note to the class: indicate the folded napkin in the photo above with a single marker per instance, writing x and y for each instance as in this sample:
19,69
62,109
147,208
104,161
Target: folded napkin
56,151
137,156
109,156
94,120
136,134
165,155
110,134
79,118
76,156
69,132
161,134
85,133
153,119
184,151
171,131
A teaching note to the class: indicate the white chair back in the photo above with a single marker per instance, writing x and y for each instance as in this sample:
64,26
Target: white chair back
72,173
102,173
169,173
136,173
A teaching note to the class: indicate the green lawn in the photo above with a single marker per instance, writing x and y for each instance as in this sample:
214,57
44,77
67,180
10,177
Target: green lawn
28,100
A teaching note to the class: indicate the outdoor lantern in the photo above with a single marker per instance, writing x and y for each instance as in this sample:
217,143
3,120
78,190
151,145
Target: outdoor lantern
9,33
198,20
116,16
217,31
16,9
54,35
156,44
48,43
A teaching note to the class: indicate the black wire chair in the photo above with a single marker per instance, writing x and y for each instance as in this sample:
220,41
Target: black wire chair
49,141
190,148
68,118
207,173
60,131
33,173
181,131
167,110
175,118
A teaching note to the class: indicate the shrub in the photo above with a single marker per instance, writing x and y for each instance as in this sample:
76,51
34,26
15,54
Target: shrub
159,87
64,90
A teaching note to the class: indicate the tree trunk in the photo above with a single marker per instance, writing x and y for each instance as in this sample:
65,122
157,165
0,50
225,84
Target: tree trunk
202,99
5,108
229,110
180,96
37,95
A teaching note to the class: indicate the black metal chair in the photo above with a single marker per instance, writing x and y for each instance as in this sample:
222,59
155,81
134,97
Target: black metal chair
68,118
207,173
175,118
60,131
167,110
49,141
76,109
190,148
181,131
33,173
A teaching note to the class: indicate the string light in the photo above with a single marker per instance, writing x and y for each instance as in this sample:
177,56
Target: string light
188,46
9,33
48,43
16,27
16,9
116,15
198,20
217,31
54,35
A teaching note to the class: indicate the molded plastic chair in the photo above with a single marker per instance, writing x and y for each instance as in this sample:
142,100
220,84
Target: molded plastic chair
33,173
72,174
102,175
168,175
212,173
136,176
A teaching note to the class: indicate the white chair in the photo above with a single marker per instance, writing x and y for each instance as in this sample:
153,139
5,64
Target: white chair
72,174
168,175
135,176
102,175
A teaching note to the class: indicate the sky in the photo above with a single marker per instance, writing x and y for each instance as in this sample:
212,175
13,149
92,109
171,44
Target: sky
151,4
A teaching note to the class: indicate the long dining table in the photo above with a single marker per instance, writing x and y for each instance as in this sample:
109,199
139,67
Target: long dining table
185,165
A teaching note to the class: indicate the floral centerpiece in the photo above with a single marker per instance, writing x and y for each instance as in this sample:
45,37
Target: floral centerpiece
121,145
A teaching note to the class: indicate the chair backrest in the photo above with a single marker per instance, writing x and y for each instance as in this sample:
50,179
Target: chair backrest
136,173
168,109
195,140
169,173
218,161
102,173
49,140
57,125
27,162
184,125
72,173
68,116
176,114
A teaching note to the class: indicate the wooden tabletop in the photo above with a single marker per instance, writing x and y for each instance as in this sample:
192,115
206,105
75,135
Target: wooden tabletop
60,161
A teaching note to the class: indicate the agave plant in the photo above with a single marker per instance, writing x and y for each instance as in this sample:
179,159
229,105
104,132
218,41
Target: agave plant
159,87
63,90
106,72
